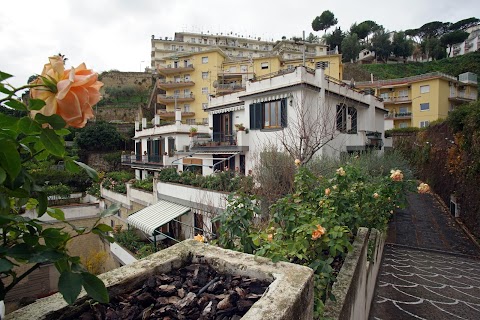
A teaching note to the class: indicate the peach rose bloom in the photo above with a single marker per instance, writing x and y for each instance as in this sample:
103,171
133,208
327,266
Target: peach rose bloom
327,192
317,233
297,162
199,238
396,175
270,237
77,90
423,188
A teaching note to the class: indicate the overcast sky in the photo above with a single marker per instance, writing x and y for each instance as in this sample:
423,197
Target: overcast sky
108,34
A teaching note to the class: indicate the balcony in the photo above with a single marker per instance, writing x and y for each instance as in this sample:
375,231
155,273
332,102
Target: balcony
397,100
461,96
221,142
230,88
146,161
166,85
174,69
398,115
165,99
171,114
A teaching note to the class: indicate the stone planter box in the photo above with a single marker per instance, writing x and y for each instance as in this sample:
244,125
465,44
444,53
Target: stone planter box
289,296
356,281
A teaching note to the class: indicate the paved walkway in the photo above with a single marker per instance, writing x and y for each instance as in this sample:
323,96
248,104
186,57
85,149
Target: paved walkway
430,268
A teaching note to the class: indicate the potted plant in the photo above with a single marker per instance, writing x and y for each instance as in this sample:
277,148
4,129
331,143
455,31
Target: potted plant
193,131
240,127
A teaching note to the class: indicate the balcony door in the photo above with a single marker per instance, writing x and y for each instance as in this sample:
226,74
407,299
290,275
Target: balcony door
222,126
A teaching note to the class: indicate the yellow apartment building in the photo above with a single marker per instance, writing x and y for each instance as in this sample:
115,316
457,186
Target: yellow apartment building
187,80
417,101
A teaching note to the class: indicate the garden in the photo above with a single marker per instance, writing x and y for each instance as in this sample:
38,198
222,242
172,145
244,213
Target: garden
315,223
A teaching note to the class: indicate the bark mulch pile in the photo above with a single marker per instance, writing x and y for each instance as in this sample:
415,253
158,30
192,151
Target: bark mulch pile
195,291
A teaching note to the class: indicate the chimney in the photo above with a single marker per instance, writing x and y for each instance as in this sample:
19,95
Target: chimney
144,123
137,126
157,119
178,116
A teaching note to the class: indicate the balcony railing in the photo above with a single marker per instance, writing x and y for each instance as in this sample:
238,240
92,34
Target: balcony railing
396,99
463,95
230,87
172,69
163,98
398,115
139,159
219,139
163,84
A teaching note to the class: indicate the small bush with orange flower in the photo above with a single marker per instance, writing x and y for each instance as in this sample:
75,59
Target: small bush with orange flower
59,98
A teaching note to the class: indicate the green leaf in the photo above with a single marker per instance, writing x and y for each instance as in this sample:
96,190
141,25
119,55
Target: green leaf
5,265
110,210
54,120
56,213
52,142
18,193
5,90
36,104
62,132
8,121
20,251
54,238
42,203
70,285
104,228
95,287
4,76
3,175
17,105
47,255
10,159
28,126
91,172
71,166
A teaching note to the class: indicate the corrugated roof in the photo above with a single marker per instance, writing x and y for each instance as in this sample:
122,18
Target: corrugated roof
156,215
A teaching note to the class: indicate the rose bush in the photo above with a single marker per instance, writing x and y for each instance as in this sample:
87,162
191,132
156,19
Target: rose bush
59,99
315,224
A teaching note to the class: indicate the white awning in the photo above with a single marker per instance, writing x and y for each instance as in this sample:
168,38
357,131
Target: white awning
156,215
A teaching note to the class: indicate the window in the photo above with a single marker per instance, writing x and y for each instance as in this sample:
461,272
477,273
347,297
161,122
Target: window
424,106
190,121
205,75
264,65
205,90
204,60
204,106
425,89
403,110
403,93
346,119
176,93
243,68
186,92
403,125
268,115
186,108
192,40
205,120
424,124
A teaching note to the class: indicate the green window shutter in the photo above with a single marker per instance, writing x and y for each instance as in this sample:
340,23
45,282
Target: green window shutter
283,112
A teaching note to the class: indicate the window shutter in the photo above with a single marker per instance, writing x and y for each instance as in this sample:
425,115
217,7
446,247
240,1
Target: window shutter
283,112
256,118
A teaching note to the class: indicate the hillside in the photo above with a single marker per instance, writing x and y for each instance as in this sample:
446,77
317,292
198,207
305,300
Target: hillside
452,66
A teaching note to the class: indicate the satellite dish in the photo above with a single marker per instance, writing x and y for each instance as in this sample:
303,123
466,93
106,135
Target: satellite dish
215,84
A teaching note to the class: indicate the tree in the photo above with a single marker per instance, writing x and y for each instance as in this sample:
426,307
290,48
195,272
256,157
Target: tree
381,45
335,39
99,136
364,29
464,24
312,38
433,29
324,21
401,46
454,37
434,49
350,47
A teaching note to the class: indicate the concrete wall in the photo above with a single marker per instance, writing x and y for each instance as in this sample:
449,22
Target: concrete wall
121,254
289,296
356,281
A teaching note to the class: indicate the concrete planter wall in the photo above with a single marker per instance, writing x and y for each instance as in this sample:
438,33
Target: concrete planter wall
355,284
290,295
121,254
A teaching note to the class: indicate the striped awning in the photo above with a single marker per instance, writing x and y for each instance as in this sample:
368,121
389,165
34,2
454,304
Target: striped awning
156,215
